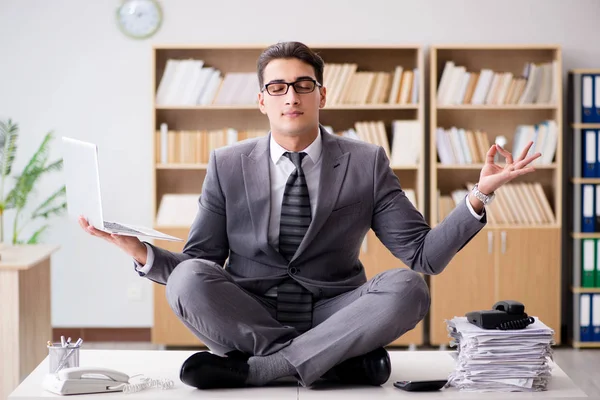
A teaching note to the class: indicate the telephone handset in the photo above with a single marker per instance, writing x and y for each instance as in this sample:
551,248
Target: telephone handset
506,314
79,380
92,373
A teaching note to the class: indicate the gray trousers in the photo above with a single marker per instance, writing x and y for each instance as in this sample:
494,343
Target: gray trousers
226,317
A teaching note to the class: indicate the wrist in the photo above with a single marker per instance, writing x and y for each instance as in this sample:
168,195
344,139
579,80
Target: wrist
141,254
476,203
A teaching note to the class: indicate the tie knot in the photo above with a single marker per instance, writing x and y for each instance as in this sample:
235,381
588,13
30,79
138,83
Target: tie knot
296,158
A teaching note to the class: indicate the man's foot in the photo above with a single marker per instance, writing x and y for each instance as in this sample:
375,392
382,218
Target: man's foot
373,368
205,370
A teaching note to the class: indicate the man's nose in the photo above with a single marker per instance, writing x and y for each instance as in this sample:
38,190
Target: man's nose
291,97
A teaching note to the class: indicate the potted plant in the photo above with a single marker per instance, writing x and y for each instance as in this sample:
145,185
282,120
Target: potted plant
18,197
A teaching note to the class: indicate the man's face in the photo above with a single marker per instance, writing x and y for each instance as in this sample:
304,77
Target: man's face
291,113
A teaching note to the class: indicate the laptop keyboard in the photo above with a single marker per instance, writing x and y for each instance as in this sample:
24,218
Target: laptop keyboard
119,227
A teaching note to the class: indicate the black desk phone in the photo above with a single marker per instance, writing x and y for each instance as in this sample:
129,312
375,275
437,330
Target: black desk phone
506,314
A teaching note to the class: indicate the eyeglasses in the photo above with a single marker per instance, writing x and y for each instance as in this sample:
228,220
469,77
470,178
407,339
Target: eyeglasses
301,87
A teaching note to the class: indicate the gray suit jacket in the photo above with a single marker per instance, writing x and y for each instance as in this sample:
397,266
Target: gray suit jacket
357,191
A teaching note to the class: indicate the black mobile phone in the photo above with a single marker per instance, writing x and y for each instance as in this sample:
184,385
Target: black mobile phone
420,386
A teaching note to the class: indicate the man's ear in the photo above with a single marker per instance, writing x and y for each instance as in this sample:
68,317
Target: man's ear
323,99
261,103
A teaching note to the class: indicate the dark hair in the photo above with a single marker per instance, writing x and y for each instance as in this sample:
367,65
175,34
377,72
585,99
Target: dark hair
290,50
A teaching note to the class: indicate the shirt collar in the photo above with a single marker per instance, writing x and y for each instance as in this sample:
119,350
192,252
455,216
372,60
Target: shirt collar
313,150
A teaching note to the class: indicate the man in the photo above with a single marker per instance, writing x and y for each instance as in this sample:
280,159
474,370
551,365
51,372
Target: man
269,278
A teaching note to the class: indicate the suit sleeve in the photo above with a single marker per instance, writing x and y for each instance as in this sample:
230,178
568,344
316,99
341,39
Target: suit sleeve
404,231
208,234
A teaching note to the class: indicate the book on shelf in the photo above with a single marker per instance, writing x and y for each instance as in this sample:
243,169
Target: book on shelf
406,137
195,146
464,146
346,85
177,209
189,82
514,204
538,84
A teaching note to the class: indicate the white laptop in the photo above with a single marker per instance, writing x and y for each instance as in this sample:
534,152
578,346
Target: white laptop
80,165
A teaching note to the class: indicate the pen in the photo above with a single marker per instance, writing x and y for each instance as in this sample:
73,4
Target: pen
62,341
63,362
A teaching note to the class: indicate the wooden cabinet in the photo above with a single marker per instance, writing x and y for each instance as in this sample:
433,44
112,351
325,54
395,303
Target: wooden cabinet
167,328
500,264
466,284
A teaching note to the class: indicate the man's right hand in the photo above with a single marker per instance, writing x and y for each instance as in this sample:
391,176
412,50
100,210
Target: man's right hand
130,244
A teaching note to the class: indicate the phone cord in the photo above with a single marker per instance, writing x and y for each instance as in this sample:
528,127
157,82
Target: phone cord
145,384
516,324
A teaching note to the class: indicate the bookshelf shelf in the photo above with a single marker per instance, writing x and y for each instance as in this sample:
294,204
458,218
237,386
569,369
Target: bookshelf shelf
185,114
585,289
479,93
584,345
253,107
472,107
479,166
583,181
204,166
585,126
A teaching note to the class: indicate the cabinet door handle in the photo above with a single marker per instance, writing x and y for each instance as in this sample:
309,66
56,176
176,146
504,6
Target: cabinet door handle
490,242
503,242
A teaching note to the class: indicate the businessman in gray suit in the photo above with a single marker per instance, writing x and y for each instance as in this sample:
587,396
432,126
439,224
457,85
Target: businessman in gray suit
270,278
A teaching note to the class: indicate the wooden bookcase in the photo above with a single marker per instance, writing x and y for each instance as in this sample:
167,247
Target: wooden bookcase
187,178
584,270
505,261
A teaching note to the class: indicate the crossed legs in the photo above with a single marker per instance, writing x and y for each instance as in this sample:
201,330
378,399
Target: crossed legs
226,317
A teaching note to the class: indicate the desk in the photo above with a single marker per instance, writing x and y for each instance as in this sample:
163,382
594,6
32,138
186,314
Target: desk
25,309
166,364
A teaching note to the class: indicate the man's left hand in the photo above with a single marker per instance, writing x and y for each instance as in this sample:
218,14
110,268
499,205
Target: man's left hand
493,176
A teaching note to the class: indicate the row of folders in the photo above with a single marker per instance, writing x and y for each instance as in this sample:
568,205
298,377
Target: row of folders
590,208
589,317
190,83
194,147
587,99
538,84
590,266
590,147
514,204
463,146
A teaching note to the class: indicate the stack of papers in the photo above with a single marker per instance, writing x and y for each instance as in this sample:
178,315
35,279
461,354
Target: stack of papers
489,360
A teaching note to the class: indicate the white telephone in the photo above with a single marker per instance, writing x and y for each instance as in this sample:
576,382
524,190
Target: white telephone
79,380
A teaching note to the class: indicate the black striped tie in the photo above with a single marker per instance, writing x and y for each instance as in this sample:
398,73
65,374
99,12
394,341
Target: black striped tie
294,302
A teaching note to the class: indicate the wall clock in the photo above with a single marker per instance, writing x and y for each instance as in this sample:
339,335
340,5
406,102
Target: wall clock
139,19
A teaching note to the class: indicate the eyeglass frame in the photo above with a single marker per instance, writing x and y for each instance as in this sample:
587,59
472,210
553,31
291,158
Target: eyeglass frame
316,83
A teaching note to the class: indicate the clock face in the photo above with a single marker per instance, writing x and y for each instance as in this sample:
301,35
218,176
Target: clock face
139,18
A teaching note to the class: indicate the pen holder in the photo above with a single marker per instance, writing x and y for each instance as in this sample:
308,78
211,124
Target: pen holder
63,357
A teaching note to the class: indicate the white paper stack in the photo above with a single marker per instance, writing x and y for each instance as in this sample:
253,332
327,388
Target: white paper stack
489,360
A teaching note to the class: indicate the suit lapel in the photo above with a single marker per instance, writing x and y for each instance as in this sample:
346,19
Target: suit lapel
257,183
333,170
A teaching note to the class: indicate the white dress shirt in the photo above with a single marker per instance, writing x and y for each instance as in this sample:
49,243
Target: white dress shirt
280,169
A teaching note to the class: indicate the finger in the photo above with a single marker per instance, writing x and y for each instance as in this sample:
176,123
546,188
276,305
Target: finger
528,160
489,158
506,154
98,233
522,171
82,221
525,151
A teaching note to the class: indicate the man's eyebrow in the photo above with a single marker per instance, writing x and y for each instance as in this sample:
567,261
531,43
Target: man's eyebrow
300,78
